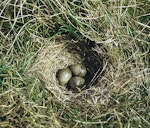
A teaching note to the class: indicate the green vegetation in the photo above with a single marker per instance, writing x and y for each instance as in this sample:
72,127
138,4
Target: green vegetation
121,98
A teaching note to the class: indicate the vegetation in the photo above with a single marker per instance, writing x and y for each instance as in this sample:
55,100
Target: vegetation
121,32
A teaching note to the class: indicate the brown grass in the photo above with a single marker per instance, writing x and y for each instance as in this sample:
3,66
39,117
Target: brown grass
40,37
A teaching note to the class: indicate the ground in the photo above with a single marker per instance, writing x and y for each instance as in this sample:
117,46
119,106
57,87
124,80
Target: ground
38,37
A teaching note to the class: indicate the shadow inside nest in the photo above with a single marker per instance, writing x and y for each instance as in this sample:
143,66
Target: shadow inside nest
92,60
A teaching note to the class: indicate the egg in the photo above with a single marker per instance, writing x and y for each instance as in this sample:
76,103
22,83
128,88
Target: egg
64,75
76,82
78,70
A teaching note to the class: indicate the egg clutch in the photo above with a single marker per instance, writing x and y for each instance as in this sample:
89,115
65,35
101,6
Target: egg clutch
72,77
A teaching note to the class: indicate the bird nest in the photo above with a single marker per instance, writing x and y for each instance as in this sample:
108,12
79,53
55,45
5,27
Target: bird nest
63,52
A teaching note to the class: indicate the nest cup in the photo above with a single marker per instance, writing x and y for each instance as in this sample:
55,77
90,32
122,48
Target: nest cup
58,55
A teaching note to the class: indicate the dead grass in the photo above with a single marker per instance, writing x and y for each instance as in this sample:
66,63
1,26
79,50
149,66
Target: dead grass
33,48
